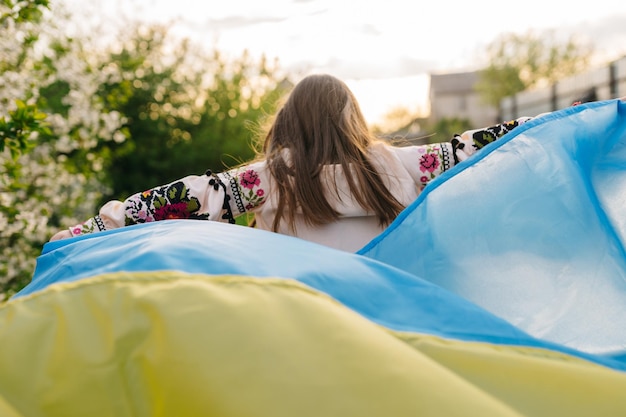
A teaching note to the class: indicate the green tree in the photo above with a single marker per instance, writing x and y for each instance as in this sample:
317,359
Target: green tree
23,120
186,109
521,61
24,11
148,107
38,183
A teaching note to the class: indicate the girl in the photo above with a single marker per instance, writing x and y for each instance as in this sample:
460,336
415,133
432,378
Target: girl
322,176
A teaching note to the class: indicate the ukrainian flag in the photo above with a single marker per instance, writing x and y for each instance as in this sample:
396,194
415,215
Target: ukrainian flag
499,292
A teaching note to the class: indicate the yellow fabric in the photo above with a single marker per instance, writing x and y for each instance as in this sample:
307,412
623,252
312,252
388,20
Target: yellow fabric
173,344
535,382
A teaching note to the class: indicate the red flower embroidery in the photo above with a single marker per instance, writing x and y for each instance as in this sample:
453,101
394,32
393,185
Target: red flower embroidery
249,179
429,162
172,211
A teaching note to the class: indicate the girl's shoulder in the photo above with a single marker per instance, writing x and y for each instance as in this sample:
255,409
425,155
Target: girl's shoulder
402,153
392,157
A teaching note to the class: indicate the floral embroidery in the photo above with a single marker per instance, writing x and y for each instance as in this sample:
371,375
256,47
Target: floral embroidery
249,179
471,141
484,137
429,162
245,188
84,228
434,160
172,211
168,202
95,224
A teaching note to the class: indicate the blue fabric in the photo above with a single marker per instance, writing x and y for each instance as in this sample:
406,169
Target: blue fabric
384,294
520,245
532,229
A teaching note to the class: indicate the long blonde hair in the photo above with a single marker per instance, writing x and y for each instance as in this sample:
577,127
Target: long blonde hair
320,124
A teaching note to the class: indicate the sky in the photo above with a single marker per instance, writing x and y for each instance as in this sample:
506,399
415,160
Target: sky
383,49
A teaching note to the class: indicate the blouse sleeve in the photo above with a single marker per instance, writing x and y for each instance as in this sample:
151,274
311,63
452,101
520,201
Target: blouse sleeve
218,197
435,158
471,141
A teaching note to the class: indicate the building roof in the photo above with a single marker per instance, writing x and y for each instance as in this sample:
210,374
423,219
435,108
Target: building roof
453,82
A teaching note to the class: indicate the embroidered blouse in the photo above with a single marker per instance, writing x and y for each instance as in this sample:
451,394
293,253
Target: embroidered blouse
249,189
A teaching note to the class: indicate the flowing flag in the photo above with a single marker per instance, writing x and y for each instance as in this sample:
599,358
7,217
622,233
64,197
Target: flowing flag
433,318
533,229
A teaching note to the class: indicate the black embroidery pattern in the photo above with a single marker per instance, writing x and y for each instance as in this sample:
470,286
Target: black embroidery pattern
234,187
445,158
171,201
216,183
484,137
99,222
457,145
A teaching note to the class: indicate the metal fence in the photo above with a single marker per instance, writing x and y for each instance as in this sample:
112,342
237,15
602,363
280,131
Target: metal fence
599,84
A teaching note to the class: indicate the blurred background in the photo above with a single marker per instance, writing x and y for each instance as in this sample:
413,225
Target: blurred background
102,99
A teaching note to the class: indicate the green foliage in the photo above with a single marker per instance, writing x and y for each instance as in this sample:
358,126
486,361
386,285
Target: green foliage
76,116
39,189
22,11
445,128
521,61
23,122
186,111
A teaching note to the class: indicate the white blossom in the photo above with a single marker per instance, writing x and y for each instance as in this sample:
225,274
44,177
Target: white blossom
41,188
